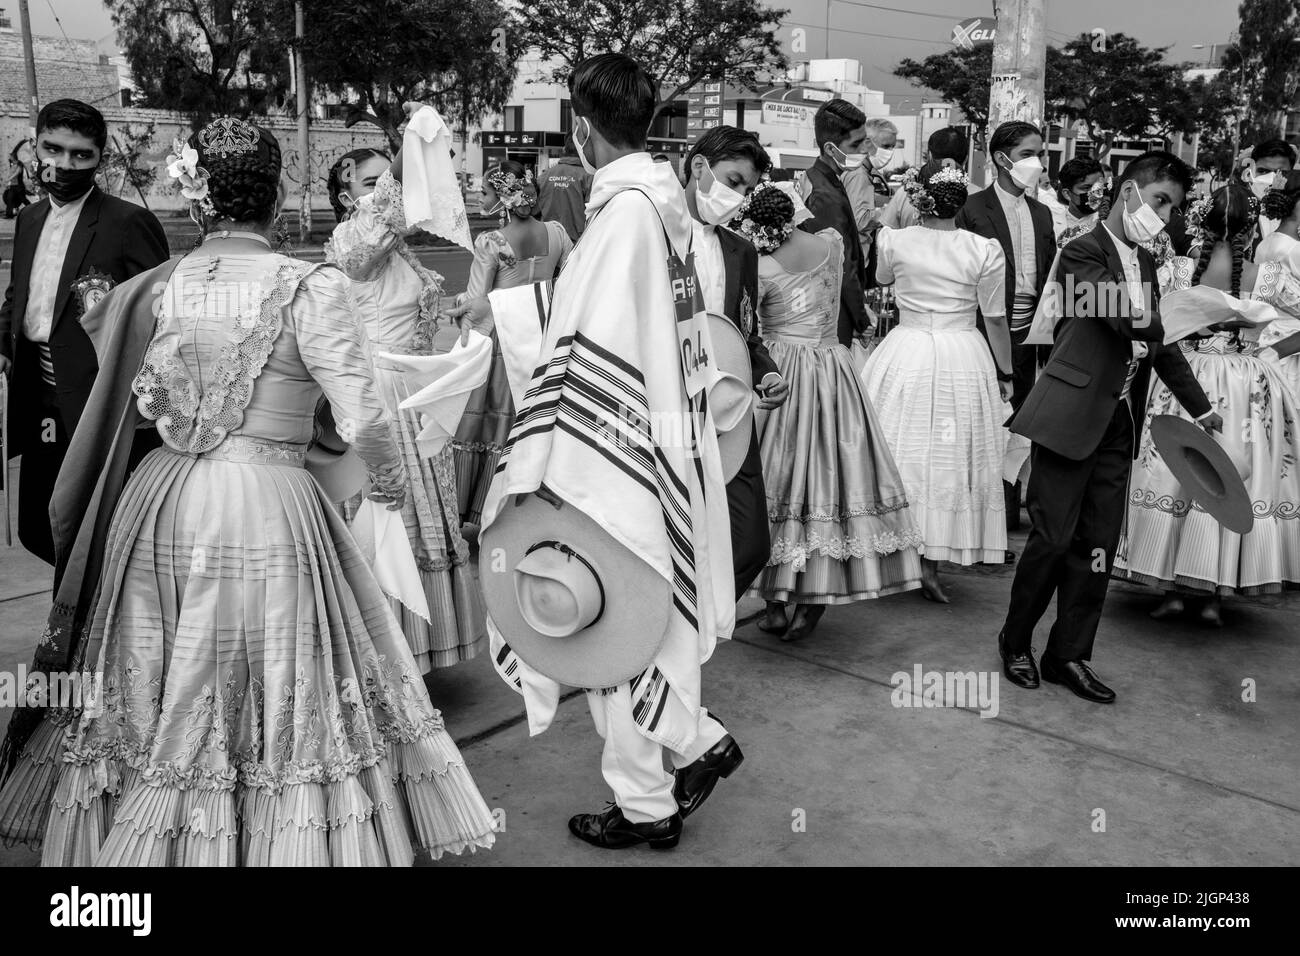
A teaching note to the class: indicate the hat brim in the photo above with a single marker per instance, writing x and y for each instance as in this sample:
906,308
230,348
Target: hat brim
731,355
1204,470
616,647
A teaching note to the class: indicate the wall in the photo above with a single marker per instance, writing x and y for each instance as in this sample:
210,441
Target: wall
64,68
329,140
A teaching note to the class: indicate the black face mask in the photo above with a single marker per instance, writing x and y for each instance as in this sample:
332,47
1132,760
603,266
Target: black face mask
67,184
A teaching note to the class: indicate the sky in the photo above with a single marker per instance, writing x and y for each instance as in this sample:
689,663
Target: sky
915,29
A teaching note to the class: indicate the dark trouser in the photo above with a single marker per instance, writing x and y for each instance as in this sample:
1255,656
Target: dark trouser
44,447
1024,370
751,538
1077,510
844,328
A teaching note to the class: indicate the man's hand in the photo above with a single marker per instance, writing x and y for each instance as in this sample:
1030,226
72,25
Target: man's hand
774,391
475,314
1212,423
1006,390
393,504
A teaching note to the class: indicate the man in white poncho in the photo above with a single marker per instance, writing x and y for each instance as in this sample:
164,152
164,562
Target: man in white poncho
608,329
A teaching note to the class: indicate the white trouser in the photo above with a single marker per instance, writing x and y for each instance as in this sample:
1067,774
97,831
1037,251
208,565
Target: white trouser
633,764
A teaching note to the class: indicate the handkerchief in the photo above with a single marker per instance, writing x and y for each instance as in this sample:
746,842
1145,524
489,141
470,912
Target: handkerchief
381,536
443,384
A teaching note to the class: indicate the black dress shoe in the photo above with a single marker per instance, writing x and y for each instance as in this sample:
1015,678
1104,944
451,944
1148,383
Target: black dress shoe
696,782
1018,666
613,831
1079,677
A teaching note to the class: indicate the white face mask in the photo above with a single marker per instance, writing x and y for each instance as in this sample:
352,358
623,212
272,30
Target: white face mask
845,160
1142,224
582,147
881,157
718,203
1025,172
1261,184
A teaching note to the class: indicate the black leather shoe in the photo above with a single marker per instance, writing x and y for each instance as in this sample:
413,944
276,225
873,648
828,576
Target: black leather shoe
1079,677
696,782
1018,666
613,831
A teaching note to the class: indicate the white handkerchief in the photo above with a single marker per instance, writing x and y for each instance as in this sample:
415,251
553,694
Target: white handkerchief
381,536
1016,456
431,194
444,383
1185,312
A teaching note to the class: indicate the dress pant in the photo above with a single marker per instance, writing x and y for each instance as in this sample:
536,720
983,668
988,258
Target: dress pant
633,764
751,535
1024,367
1077,513
44,447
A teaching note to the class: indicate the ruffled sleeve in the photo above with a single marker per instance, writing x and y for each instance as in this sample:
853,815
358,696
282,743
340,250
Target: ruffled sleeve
363,242
333,348
1278,286
992,289
483,271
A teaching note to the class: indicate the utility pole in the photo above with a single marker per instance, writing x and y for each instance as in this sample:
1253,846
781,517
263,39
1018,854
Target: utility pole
33,104
1019,62
304,140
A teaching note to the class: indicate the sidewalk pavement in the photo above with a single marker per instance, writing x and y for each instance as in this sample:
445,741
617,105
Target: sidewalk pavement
1179,771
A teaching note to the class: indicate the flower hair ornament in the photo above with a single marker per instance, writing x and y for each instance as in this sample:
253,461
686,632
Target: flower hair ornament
1196,217
183,166
509,187
766,238
918,193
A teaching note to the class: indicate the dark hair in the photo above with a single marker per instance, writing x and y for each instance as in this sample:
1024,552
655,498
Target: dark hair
1077,170
1009,135
1280,203
1273,147
948,197
520,173
1231,218
948,143
334,184
769,207
616,95
74,115
728,142
569,148
835,120
1155,166
242,186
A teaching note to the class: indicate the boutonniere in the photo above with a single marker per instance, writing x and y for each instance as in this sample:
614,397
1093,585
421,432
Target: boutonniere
91,288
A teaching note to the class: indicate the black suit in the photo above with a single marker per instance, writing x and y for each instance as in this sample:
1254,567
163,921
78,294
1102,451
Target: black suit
830,206
751,542
983,215
111,237
1084,439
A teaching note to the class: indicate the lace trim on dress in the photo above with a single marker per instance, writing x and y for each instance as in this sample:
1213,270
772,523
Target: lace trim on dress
197,421
840,548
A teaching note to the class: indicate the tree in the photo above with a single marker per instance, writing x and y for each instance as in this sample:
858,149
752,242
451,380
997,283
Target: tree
204,57
1265,61
679,42
1208,107
961,77
460,56
128,158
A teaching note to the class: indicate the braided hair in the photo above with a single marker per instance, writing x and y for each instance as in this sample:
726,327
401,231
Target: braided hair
1280,203
948,192
1230,218
766,217
244,178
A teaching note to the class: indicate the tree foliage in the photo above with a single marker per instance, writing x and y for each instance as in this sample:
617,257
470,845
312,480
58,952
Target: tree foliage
1265,63
679,42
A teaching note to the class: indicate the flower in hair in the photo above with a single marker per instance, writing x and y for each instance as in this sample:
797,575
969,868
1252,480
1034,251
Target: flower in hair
509,187
183,166
765,237
916,192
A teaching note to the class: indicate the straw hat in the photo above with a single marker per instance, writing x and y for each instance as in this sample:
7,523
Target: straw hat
1206,471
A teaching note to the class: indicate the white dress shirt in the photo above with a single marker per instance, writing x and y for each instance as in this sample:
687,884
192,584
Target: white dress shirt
47,267
1128,256
1020,223
710,267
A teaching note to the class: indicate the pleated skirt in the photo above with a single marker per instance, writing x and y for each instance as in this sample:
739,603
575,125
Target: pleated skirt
935,394
840,523
481,437
253,700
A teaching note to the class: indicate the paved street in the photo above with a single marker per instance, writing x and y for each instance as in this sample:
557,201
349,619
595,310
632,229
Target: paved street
1184,771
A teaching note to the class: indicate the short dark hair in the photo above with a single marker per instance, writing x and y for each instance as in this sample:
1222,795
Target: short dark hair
74,115
948,143
615,93
1010,134
1273,147
728,142
1077,170
334,180
835,120
1154,166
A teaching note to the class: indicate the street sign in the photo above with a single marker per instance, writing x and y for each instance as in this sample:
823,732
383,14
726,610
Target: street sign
703,109
969,34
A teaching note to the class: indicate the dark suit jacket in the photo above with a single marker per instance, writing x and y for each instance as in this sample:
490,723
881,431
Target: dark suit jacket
830,206
111,236
982,214
741,302
1074,399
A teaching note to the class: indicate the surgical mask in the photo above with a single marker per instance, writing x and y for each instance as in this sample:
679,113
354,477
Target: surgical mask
1261,184
881,157
845,160
582,147
1143,224
1025,172
65,185
718,203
